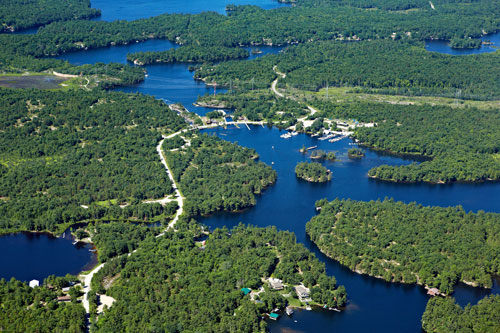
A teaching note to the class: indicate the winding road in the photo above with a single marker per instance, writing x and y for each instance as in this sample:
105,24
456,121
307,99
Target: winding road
87,279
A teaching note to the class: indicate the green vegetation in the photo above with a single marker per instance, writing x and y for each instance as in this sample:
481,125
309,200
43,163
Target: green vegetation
461,143
170,284
313,172
257,105
465,43
25,309
216,175
431,246
250,25
318,154
61,150
189,54
355,153
21,14
444,315
116,238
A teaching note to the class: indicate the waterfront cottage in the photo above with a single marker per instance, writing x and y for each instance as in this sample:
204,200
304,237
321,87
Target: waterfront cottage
275,284
34,283
66,298
302,292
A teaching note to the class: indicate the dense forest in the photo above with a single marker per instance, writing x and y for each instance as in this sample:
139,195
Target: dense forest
25,309
408,243
22,14
116,238
313,172
462,143
189,54
443,315
465,43
381,66
216,175
171,284
75,156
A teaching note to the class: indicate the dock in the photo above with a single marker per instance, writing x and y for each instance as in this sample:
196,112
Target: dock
247,126
312,147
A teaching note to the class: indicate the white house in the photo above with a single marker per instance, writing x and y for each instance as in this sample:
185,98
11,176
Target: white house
34,283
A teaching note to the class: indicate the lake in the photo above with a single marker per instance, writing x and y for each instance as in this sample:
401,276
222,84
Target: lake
374,305
28,256
441,46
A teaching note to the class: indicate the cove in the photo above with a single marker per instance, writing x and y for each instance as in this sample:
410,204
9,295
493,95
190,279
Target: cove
28,256
442,46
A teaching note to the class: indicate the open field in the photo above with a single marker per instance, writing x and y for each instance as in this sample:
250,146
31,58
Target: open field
45,81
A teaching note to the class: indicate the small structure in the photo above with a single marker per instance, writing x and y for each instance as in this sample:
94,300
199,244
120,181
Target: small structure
275,284
433,292
246,291
66,289
289,310
302,292
34,283
274,316
65,298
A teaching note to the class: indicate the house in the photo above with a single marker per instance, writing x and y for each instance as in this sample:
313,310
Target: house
302,292
275,284
66,289
433,292
66,298
34,283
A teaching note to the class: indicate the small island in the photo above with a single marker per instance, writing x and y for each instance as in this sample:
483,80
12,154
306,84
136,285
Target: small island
322,155
313,172
355,153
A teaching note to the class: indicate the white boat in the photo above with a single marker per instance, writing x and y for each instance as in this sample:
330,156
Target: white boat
294,133
286,136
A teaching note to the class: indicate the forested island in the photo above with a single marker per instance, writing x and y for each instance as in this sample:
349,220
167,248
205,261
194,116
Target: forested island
444,315
188,54
465,43
216,175
313,172
192,289
432,246
17,15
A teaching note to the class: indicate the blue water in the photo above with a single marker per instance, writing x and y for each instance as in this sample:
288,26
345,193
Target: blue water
171,82
137,9
28,256
444,47
374,305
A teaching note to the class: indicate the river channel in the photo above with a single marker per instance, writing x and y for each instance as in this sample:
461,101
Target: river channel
374,305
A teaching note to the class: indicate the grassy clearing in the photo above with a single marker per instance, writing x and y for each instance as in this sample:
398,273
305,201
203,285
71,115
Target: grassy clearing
347,94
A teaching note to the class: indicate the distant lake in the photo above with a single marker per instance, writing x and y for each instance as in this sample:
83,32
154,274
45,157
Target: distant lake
441,46
136,9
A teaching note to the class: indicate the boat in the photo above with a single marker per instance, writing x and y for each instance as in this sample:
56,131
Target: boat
289,311
286,136
294,133
75,242
334,309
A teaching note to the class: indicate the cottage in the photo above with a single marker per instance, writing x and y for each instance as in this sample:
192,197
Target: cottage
302,292
66,289
66,298
275,284
34,283
433,292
